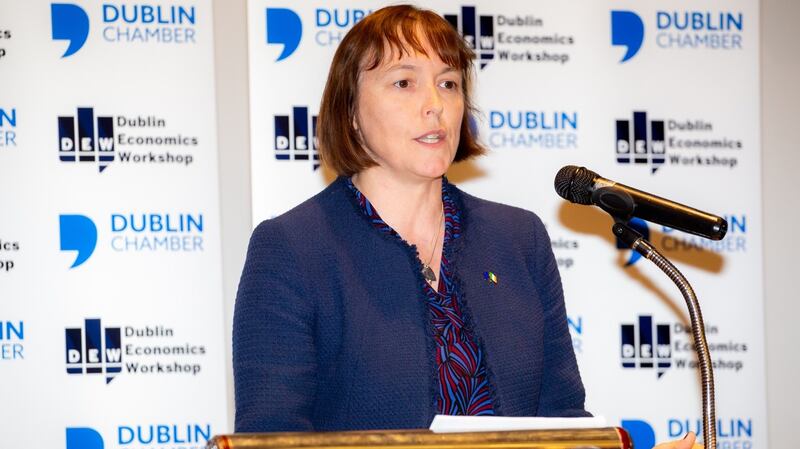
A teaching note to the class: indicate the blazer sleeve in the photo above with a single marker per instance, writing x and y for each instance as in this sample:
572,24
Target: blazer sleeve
561,392
274,359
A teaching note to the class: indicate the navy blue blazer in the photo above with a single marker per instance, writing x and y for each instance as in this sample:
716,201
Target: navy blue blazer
331,331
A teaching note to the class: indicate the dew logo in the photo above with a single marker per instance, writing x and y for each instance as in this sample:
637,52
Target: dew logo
69,23
687,143
8,124
510,38
639,349
478,32
293,140
94,349
126,139
77,233
79,144
284,28
516,129
642,145
627,30
143,436
12,337
678,30
152,349
640,226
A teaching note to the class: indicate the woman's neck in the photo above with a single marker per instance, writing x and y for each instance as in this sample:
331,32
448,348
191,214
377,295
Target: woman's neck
412,207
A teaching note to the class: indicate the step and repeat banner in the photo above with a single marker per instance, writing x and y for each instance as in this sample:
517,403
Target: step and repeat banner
111,328
658,95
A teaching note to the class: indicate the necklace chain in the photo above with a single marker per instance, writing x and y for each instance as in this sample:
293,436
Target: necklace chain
427,272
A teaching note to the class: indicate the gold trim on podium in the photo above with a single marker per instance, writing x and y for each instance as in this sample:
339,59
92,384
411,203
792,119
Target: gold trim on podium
604,438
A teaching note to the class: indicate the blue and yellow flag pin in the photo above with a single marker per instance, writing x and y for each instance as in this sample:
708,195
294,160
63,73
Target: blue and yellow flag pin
490,277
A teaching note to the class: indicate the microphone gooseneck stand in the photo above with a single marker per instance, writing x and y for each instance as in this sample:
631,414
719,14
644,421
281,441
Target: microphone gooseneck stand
638,243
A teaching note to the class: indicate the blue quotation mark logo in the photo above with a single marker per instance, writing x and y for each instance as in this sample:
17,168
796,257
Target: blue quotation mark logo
83,438
70,23
641,433
78,233
627,30
285,28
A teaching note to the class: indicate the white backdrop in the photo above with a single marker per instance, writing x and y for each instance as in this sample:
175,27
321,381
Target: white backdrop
163,76
552,93
147,227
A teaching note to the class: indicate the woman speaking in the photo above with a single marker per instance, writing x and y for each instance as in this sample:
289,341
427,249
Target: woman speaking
392,296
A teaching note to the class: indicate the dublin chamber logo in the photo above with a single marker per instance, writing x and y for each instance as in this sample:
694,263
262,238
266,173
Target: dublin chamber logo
515,129
149,436
147,350
296,137
12,340
669,240
284,27
690,143
133,232
128,23
8,249
646,345
133,140
8,125
734,432
681,30
511,37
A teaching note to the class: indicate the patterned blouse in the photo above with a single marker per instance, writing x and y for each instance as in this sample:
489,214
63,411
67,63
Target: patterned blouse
463,388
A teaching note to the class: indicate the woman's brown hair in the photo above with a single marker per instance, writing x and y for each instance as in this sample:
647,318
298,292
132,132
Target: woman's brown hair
363,49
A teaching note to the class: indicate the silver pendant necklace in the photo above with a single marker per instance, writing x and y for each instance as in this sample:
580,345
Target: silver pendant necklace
427,272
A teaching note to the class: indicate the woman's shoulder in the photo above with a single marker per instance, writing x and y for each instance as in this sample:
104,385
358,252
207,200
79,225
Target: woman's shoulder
311,216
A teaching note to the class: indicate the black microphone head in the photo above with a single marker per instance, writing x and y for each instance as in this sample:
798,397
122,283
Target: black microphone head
575,184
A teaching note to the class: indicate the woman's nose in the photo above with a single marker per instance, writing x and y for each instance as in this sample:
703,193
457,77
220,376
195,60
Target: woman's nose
433,102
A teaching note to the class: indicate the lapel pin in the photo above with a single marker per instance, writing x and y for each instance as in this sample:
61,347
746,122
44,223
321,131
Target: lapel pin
490,277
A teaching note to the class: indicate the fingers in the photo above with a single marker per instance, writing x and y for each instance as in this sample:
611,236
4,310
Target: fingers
688,442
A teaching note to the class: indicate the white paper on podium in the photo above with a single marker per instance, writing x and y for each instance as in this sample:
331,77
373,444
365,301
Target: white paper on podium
452,424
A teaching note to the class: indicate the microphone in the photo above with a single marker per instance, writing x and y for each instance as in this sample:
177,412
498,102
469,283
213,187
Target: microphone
583,186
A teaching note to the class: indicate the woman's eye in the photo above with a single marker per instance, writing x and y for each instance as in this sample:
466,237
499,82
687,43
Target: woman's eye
402,84
449,84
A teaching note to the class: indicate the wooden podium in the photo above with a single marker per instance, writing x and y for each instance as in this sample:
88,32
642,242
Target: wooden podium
603,438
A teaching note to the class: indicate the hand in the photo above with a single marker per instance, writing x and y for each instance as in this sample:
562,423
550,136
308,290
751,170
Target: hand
686,443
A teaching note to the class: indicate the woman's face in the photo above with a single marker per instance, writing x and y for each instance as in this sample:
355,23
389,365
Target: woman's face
409,112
